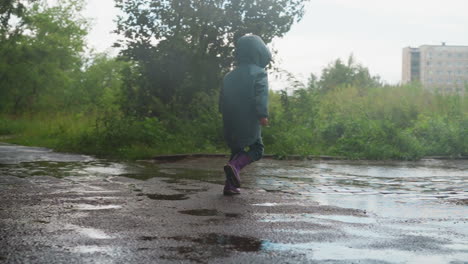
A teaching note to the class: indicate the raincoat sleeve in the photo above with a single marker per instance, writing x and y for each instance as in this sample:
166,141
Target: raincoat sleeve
261,94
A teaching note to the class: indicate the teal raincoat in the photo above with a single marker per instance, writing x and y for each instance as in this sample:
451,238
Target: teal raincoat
244,95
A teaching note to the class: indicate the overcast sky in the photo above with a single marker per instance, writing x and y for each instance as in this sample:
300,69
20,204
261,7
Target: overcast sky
374,31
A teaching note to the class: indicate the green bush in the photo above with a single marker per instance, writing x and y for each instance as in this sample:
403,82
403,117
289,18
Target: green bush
392,122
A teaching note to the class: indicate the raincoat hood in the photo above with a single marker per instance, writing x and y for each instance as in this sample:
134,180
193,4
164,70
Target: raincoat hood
250,49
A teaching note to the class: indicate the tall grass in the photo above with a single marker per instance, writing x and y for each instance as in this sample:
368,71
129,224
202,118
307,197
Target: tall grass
109,135
393,122
50,130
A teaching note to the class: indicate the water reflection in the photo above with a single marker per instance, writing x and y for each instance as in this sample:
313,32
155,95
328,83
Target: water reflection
231,242
436,188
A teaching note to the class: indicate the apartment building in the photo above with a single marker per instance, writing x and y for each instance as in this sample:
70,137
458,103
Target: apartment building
437,67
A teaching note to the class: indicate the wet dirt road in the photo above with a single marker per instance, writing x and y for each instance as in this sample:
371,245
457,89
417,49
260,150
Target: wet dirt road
61,208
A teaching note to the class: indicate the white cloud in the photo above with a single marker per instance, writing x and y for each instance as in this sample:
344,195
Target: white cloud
403,8
374,31
102,14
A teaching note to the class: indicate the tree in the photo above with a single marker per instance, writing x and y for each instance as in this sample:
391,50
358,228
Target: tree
183,47
100,84
40,62
9,9
339,74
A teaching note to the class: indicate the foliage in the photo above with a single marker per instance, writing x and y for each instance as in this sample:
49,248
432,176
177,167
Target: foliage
160,96
39,63
392,122
10,9
183,48
338,74
100,85
110,135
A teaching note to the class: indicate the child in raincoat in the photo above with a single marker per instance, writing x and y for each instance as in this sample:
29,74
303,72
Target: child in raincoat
244,106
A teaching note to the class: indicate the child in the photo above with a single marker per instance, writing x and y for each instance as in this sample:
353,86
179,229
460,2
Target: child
244,106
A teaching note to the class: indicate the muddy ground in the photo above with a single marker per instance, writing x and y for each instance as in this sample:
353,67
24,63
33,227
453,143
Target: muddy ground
64,208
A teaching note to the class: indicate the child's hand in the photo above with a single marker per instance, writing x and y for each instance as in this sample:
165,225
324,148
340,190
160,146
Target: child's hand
264,121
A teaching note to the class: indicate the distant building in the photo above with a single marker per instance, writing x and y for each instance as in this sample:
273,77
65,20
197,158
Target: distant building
437,67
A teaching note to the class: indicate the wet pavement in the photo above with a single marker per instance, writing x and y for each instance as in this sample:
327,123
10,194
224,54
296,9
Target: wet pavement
57,208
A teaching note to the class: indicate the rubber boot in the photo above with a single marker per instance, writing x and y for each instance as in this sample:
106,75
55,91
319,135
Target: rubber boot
233,167
229,189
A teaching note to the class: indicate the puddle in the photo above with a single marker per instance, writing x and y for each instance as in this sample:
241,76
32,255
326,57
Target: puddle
190,191
185,254
347,219
404,206
177,173
273,190
39,168
41,221
105,169
201,212
148,238
367,185
236,243
425,198
82,190
458,201
463,247
346,254
168,197
181,250
232,215
426,188
94,198
364,232
314,218
92,233
209,212
172,181
89,207
15,154
275,204
266,204
93,249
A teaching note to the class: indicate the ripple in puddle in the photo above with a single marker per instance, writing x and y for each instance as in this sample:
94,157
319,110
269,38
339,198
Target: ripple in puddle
89,207
189,191
93,233
148,238
169,197
312,218
93,249
458,201
200,212
236,243
232,215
